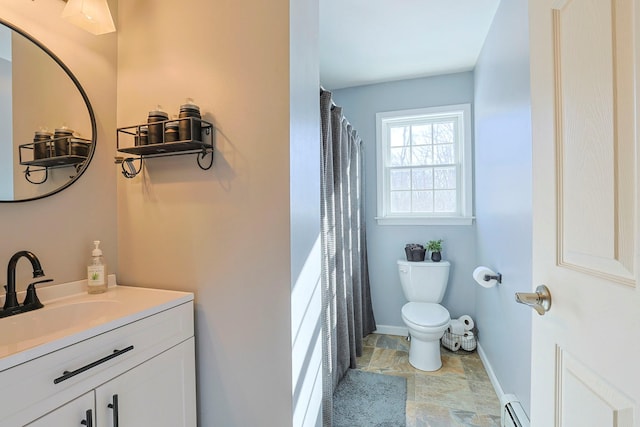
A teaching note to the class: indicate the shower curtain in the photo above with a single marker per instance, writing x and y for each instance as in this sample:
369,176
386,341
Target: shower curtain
347,310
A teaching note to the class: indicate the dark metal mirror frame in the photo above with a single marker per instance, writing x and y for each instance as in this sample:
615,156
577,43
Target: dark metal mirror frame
92,117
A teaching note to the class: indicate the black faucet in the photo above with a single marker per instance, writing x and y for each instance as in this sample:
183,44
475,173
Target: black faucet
11,301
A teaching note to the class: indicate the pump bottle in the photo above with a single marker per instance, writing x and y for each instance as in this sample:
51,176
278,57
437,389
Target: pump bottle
97,271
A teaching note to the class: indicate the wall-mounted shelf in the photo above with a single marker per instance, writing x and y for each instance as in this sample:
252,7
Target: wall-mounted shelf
53,153
133,140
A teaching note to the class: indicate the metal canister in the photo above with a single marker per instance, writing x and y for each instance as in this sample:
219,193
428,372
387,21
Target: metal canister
156,130
61,141
142,138
42,145
171,132
190,127
79,148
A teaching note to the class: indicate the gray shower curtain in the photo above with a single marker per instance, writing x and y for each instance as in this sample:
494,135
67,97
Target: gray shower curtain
347,310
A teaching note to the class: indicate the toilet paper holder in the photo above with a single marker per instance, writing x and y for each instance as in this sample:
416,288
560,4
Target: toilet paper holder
497,277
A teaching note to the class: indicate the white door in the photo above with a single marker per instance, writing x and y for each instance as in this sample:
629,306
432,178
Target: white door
586,348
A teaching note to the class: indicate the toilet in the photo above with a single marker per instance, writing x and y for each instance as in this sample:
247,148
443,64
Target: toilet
424,284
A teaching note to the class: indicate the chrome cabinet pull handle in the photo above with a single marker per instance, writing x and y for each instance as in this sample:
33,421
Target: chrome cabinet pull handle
540,300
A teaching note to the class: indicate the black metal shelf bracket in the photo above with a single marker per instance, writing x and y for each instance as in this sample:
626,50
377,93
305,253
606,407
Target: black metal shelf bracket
28,171
128,168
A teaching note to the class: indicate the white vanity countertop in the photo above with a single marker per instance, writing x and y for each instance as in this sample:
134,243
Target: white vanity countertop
70,315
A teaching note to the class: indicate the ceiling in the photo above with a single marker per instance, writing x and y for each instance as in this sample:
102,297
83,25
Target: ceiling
373,41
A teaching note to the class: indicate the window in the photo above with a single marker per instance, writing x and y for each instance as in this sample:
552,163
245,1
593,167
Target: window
424,166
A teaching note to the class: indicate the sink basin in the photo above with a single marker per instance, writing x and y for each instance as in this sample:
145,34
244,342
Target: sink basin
28,329
70,315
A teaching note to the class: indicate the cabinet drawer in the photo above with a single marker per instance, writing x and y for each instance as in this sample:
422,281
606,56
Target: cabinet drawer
29,389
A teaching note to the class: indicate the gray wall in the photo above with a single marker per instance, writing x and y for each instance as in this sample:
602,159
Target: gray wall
503,195
386,243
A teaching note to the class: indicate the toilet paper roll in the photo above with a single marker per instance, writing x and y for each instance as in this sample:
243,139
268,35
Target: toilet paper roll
451,342
467,321
468,341
456,327
480,272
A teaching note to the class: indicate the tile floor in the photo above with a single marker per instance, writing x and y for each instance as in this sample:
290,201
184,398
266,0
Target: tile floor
460,394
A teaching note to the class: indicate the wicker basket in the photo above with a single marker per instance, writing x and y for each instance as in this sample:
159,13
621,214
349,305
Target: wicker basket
455,342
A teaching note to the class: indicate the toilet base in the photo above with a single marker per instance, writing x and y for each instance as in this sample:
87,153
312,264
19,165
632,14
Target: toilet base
425,355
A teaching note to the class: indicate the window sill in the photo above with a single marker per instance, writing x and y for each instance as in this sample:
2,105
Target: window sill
444,220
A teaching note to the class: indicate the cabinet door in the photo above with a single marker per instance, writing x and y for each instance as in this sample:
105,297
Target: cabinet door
160,392
71,414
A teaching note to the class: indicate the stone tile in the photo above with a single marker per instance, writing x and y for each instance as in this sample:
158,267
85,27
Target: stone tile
391,361
451,365
370,340
363,361
450,391
471,419
425,414
485,398
474,369
459,394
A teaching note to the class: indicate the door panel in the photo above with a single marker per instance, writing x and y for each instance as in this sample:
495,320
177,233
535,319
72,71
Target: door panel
595,137
70,414
160,392
585,213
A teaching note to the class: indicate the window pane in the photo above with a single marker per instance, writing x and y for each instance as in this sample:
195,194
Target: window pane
400,156
421,134
443,133
443,154
421,155
444,178
400,201
422,201
445,201
422,179
400,179
399,136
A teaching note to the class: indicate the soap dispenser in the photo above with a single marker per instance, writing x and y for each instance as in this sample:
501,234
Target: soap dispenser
97,271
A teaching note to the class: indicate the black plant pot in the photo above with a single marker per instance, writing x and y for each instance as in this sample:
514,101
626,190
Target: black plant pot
436,256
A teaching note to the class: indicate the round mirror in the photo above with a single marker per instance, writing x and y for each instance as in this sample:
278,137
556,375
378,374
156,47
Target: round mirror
47,125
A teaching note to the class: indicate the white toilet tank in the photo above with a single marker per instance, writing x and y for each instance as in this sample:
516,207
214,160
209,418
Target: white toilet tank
424,281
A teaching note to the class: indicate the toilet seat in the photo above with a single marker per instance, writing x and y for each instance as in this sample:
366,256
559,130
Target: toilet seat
425,315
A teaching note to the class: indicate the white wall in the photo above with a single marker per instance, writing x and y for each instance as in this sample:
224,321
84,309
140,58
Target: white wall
241,234
503,195
60,229
386,243
304,205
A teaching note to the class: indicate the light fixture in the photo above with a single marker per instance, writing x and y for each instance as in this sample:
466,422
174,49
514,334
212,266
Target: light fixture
93,16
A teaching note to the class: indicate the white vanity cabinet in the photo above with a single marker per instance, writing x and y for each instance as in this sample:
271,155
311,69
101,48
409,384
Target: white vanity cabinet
78,410
138,373
156,393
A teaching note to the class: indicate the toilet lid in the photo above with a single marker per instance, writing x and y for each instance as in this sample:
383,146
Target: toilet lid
426,313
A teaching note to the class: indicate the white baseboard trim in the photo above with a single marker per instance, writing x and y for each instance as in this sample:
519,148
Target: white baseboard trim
492,376
401,331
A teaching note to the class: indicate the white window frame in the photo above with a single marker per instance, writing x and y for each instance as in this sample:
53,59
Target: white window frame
464,215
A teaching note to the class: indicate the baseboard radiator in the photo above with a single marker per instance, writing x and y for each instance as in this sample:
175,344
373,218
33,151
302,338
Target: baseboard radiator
513,415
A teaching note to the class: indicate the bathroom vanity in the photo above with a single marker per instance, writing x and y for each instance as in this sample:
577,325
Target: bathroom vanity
118,359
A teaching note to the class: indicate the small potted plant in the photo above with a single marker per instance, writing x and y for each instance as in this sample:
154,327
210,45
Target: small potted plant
435,246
